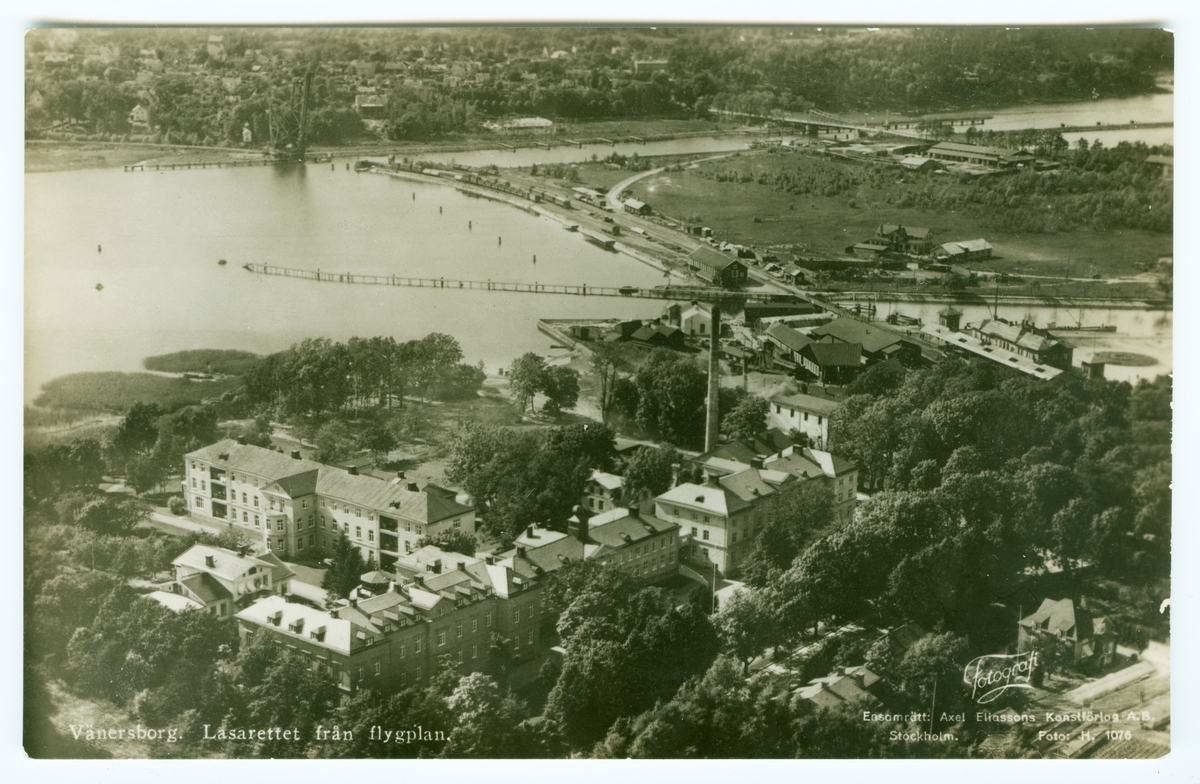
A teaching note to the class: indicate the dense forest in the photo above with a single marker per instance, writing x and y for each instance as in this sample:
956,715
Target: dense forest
442,82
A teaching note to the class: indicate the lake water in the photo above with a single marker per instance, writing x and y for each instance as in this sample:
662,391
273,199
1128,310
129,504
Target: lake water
163,233
1156,108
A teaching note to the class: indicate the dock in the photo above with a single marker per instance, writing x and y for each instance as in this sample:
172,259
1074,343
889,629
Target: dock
682,293
141,167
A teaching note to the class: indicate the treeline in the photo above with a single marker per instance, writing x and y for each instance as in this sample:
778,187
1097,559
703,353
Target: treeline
919,70
320,376
205,360
758,71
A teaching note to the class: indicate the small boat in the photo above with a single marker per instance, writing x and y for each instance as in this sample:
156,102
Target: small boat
222,262
99,287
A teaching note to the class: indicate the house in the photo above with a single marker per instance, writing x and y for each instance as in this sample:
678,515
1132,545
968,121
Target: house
966,250
716,267
696,319
786,342
371,106
290,504
636,207
838,474
901,239
602,491
1089,637
832,362
992,157
806,413
903,637
1165,164
1025,340
220,580
720,518
662,335
845,686
139,116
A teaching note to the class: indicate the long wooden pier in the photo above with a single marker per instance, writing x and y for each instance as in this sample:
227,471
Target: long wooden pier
701,293
135,167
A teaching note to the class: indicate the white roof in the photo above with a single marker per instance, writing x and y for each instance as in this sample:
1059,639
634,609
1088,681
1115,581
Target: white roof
337,631
227,564
174,601
706,497
608,481
1000,355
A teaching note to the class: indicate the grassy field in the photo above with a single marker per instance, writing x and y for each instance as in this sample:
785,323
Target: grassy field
754,214
205,360
112,391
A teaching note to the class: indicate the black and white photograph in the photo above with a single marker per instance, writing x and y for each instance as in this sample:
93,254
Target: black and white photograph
597,392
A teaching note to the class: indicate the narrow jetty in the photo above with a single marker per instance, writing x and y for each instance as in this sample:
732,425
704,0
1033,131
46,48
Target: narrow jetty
581,290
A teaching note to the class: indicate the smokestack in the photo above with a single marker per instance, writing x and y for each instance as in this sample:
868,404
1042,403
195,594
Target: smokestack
529,532
295,454
462,566
210,561
352,470
241,440
714,382
400,475
412,487
437,566
675,467
578,525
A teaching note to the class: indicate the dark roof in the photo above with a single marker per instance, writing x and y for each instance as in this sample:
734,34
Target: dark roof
835,354
711,259
849,330
231,455
1062,618
205,587
279,570
300,484
613,532
788,336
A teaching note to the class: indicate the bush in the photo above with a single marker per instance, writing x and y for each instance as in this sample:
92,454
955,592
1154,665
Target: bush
177,505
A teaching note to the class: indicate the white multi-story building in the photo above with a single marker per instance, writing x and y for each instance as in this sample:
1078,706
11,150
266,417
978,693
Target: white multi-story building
291,504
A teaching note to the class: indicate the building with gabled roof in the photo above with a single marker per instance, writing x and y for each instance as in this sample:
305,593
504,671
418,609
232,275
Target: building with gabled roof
1089,636
964,250
1025,340
221,580
442,609
290,505
603,491
848,685
838,474
832,362
720,518
905,239
717,268
807,413
786,342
